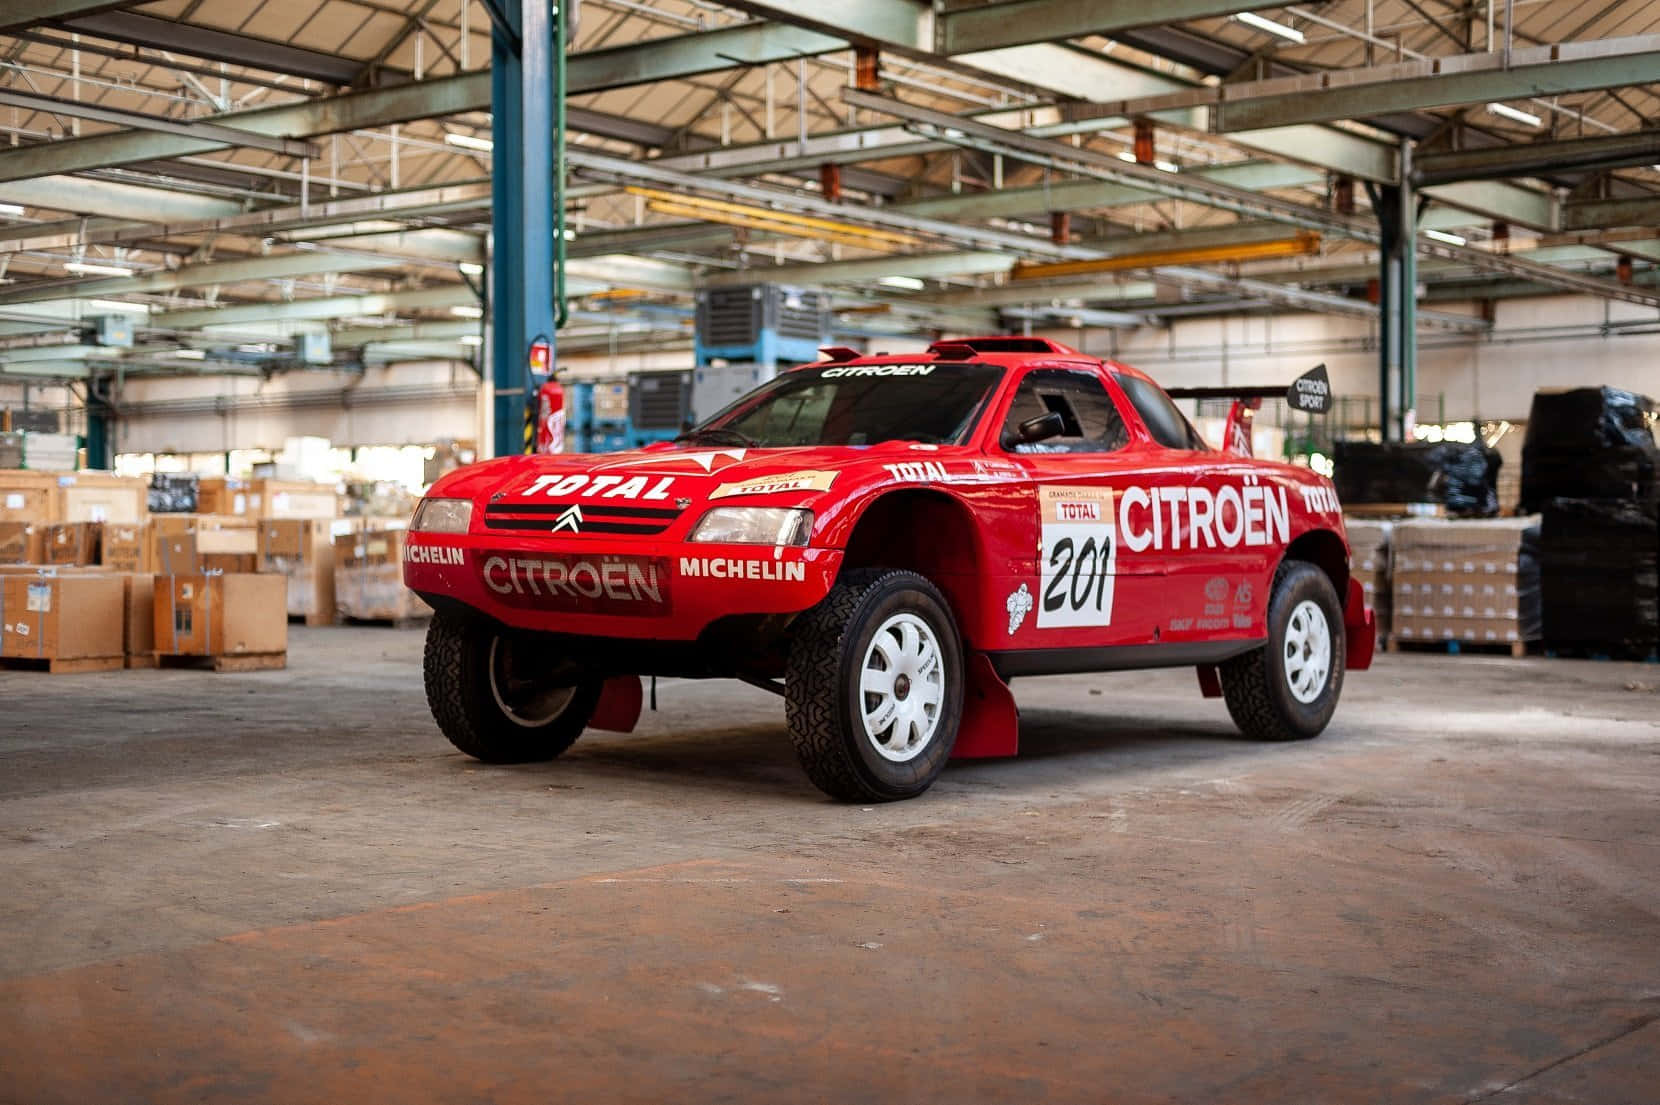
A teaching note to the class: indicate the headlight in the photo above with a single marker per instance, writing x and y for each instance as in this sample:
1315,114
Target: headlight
443,516
754,525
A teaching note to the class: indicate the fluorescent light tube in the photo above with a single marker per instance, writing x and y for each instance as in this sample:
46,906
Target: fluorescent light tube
85,268
469,142
1514,114
11,209
190,354
1166,166
471,339
907,283
1443,236
464,311
470,268
117,305
1280,30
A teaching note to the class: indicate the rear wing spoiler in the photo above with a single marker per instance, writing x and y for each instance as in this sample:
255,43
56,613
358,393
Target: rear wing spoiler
1309,392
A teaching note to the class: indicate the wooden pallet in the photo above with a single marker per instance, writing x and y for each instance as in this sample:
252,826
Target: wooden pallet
1516,649
313,619
413,621
242,661
62,667
1624,653
1395,510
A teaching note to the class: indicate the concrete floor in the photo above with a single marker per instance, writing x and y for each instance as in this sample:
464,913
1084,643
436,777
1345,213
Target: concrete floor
286,887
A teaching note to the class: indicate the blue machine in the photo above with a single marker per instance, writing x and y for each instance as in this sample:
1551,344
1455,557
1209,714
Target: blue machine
606,416
745,334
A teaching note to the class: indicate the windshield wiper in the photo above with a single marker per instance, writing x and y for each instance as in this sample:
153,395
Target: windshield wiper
718,433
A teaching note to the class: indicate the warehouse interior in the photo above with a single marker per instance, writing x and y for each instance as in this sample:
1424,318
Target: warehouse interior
271,268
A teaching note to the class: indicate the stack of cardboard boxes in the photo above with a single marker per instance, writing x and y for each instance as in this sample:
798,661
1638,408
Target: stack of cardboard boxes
1458,581
368,574
1369,563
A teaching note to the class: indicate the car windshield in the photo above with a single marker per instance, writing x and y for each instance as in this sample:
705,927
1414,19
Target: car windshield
857,405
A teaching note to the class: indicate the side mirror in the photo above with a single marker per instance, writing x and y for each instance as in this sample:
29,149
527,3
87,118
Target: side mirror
1041,428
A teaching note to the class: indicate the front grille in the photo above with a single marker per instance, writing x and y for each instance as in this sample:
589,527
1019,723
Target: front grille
590,518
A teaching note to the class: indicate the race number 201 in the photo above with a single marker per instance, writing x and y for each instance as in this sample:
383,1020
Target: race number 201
1078,557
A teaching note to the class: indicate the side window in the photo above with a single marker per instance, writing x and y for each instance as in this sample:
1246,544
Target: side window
1165,421
1093,424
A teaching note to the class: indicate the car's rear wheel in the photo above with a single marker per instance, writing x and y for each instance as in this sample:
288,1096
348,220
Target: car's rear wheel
502,697
1288,689
874,688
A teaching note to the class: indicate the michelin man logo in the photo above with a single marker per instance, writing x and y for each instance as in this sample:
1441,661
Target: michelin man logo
1019,605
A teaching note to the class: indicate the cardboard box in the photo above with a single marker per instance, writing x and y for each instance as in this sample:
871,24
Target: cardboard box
127,548
26,497
222,495
22,543
220,615
189,543
139,626
292,499
1457,580
73,543
302,551
368,578
62,616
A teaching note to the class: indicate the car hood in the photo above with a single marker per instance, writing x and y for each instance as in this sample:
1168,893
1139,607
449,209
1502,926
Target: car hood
667,482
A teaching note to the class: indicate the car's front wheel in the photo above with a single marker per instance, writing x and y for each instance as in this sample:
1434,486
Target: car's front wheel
500,697
874,688
1287,690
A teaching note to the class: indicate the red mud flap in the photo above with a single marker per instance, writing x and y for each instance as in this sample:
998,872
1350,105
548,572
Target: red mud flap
1360,625
991,721
619,704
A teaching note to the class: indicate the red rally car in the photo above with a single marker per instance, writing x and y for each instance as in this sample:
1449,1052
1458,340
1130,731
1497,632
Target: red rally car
885,542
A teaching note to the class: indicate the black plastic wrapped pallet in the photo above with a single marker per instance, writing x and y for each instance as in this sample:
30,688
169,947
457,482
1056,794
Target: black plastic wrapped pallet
1600,574
1529,587
173,493
1590,443
1463,477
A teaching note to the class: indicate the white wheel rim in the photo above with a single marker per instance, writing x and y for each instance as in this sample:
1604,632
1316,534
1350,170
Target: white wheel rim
1307,651
902,688
531,710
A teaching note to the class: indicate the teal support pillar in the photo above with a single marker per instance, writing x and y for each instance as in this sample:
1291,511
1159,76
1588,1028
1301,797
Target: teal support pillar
100,425
1397,304
523,78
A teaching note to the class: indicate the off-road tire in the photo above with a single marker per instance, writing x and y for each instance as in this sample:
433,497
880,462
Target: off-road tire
456,666
823,701
1254,684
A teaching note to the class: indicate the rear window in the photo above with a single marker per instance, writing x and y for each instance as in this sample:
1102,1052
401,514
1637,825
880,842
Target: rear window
1165,421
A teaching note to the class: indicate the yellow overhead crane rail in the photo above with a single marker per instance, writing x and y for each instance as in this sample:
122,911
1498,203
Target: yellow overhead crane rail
1303,242
776,222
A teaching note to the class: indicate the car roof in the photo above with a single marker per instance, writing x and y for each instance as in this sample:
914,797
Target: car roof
1000,349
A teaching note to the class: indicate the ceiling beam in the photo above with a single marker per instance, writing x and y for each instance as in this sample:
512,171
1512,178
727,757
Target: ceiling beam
230,136
153,32
1598,214
1013,24
306,263
1435,82
326,307
1611,151
591,71
17,14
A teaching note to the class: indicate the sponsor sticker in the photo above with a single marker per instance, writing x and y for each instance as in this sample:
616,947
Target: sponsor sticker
879,370
1019,604
1322,500
588,486
580,584
1079,556
918,471
806,480
734,567
1170,519
433,554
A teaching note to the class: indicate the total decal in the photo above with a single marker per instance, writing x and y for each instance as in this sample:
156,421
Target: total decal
775,485
1321,499
609,584
1079,557
584,485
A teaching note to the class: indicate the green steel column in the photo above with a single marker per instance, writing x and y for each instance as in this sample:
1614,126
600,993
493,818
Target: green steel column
1409,290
